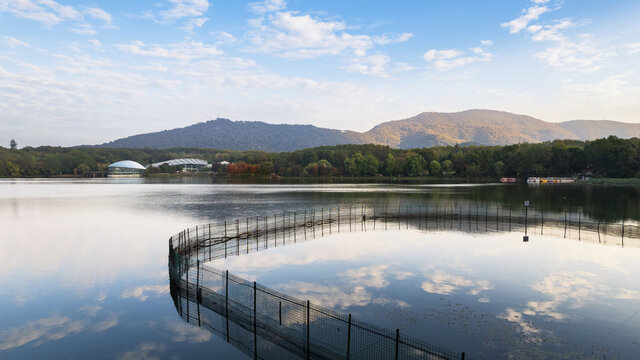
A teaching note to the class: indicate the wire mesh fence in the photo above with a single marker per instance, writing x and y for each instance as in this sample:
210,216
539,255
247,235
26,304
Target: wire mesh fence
267,324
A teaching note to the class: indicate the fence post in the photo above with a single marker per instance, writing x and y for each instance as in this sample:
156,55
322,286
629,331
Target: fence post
565,224
197,243
349,338
197,281
397,342
226,301
580,225
237,237
280,312
462,356
198,297
255,317
187,286
225,231
308,326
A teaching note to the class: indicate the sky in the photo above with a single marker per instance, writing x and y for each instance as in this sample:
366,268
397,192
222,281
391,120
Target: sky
87,72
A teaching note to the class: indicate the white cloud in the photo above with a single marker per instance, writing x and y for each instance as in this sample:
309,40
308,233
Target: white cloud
184,8
193,23
632,48
371,276
223,37
183,332
328,296
185,51
518,24
144,351
443,60
12,42
84,29
612,91
51,328
142,293
190,11
99,14
290,35
386,39
582,56
267,6
374,65
444,284
550,32
46,12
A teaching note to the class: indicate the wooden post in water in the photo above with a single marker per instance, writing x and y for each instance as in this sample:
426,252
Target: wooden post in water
225,231
266,229
622,232
187,286
397,342
565,224
308,328
255,317
237,237
349,338
226,301
579,224
322,221
280,312
198,297
486,217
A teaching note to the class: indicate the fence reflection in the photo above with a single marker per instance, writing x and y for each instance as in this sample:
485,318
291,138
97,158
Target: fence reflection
266,324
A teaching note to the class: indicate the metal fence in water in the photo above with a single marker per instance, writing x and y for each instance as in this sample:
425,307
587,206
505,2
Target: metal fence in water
267,324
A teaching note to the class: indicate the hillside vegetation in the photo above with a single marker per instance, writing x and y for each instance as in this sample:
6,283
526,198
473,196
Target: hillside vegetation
607,157
478,127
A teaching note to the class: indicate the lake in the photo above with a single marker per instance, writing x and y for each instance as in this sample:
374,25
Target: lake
85,274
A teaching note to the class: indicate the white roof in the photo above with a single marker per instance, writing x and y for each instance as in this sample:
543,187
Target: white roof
176,162
127,164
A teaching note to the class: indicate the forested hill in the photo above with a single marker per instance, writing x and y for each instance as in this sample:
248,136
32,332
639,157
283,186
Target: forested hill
480,127
595,129
240,135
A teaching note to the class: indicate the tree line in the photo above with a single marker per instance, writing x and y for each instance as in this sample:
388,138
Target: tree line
608,157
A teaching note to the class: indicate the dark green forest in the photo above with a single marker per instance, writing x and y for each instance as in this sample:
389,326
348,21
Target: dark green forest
608,157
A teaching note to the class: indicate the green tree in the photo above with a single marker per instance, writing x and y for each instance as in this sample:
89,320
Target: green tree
434,168
447,167
415,164
390,165
498,168
369,166
13,144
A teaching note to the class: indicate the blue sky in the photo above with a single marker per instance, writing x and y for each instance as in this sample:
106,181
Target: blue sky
84,72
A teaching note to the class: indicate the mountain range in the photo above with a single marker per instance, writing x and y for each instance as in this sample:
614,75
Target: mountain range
480,127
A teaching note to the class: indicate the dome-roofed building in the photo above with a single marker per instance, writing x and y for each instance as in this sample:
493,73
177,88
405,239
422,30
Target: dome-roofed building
188,165
125,168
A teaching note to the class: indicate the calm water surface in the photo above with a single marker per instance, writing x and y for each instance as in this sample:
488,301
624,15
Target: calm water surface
84,270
